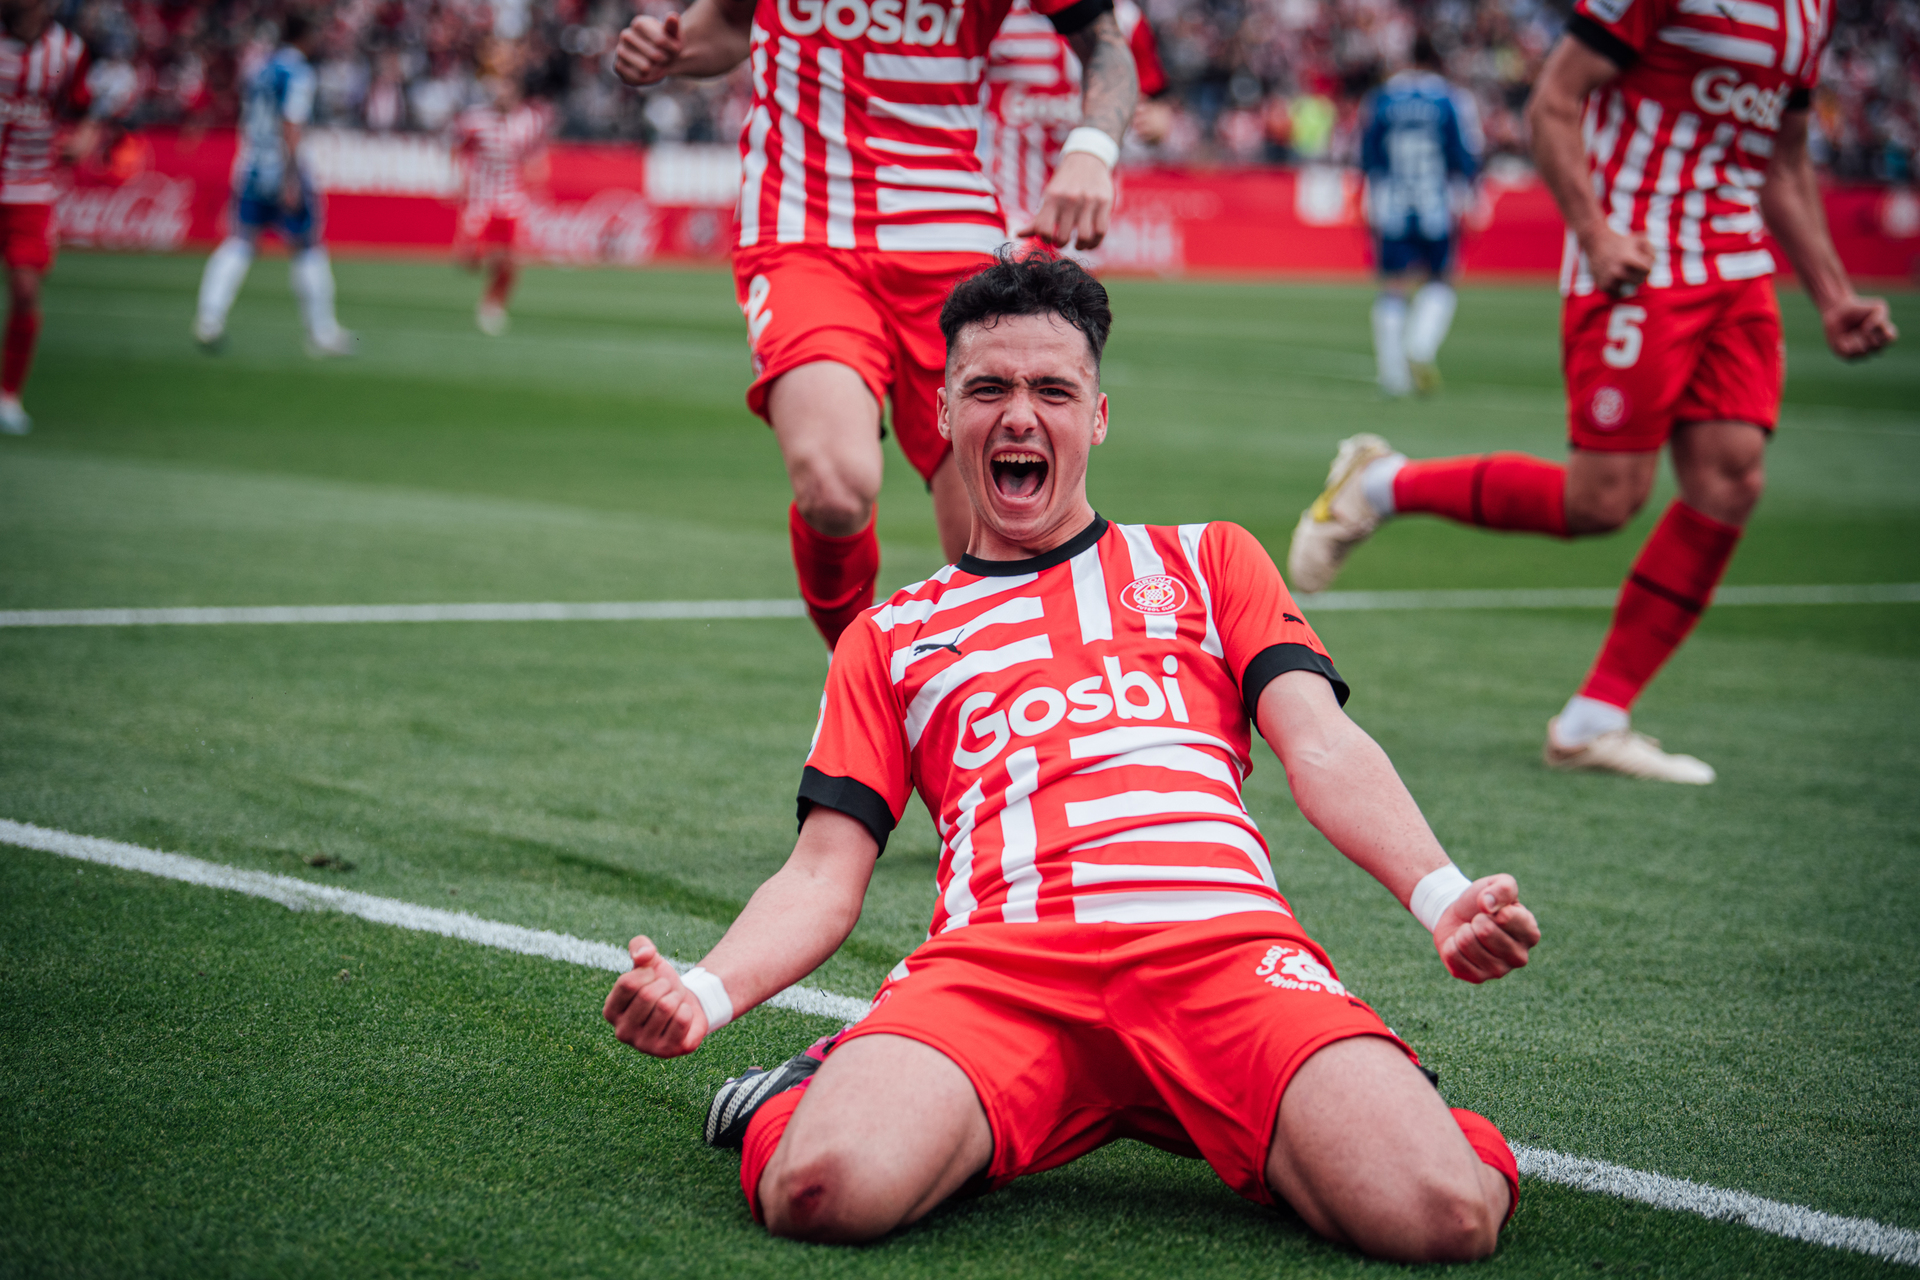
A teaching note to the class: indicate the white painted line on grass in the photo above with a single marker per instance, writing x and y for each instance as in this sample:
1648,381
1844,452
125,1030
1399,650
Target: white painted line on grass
1860,1235
301,895
1794,1222
673,610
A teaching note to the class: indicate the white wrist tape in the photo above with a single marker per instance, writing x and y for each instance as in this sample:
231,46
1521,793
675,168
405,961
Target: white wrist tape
1095,142
713,997
1435,893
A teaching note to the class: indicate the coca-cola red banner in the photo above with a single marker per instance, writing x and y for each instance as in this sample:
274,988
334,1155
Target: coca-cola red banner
168,190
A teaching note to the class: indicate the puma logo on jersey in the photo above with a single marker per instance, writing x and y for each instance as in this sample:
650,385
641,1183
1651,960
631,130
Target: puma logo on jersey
1719,91
1293,617
932,645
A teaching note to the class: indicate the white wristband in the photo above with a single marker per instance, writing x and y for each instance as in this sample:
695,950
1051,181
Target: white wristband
1095,142
1435,893
713,997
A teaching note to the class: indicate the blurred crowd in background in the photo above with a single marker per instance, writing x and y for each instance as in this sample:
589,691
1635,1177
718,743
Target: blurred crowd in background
1252,81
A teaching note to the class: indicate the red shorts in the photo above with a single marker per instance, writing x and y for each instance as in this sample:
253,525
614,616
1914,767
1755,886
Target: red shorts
26,235
878,313
1637,367
483,227
1183,1036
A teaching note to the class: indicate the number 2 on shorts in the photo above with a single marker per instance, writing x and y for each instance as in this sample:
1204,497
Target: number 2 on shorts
1623,336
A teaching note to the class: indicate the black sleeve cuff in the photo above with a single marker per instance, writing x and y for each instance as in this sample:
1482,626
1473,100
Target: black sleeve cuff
1078,17
1277,660
1602,41
1800,99
850,796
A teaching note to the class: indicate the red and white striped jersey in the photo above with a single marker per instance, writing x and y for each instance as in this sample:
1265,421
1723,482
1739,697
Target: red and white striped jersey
38,82
864,124
495,147
1033,100
1076,723
1679,144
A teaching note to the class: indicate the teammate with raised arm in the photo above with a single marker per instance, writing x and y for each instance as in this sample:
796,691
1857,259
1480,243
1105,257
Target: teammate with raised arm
862,202
1109,955
1672,134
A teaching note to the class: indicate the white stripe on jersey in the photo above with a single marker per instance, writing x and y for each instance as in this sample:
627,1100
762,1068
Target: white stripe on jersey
833,129
1790,56
1147,563
1179,759
1019,609
792,224
960,901
940,237
1190,535
1744,266
1196,832
1165,907
1755,53
1113,742
958,179
927,701
1646,124
1020,839
752,172
1665,187
910,148
897,200
960,119
891,616
908,69
1146,804
1086,873
1751,12
1090,596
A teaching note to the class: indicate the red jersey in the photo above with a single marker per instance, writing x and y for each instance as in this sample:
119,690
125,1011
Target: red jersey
1033,100
1679,144
864,123
496,146
38,82
1076,723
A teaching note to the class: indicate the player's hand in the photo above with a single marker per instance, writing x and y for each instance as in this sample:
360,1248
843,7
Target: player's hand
647,49
1619,263
651,1009
1077,204
1486,933
1857,327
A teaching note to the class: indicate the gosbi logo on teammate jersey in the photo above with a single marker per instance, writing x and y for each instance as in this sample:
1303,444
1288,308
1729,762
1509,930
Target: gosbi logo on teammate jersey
1719,91
921,22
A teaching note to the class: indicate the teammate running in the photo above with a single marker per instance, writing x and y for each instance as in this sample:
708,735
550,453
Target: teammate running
272,191
1110,955
1420,144
42,80
499,140
862,202
1694,118
1033,101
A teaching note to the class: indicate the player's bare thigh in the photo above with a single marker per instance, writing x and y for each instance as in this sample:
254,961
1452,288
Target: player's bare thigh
888,1129
828,426
1368,1154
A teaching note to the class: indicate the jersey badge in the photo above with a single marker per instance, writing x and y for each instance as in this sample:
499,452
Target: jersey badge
1292,969
1156,594
1608,408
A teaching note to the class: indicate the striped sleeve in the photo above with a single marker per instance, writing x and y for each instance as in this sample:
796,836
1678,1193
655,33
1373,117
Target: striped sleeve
1618,30
1262,631
860,763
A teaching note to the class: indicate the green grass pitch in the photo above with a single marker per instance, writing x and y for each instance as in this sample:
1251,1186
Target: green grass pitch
198,1084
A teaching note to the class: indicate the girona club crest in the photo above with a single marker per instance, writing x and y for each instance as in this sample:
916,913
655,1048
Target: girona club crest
1608,409
1156,594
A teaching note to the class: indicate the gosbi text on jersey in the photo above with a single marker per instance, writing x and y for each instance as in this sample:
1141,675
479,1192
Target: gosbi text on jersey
1077,724
37,81
1679,143
864,122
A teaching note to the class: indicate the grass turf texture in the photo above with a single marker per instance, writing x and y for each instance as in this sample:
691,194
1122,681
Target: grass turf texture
1726,992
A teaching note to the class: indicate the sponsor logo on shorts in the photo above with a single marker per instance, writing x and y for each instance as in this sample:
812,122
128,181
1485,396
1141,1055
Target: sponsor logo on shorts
1292,969
1608,408
1157,594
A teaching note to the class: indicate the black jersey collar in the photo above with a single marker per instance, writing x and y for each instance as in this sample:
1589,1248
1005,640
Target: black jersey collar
1045,560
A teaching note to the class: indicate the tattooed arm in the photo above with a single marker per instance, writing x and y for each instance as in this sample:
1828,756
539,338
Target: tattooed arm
1078,201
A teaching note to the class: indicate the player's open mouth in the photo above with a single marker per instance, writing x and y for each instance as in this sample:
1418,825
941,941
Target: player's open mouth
1017,473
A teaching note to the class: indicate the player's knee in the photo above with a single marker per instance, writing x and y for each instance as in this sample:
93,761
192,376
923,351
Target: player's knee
1457,1224
829,503
1605,510
816,1196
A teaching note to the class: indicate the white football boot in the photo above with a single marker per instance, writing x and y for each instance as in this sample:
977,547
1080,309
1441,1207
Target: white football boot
211,337
1625,752
1339,520
333,344
491,319
13,419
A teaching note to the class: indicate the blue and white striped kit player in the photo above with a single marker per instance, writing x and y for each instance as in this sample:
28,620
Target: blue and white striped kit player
273,192
1420,148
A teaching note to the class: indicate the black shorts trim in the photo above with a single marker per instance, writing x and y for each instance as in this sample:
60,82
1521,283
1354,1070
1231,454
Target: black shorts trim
1278,659
1602,41
849,796
1076,18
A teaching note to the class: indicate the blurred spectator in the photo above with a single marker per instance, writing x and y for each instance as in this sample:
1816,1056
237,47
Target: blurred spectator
1275,81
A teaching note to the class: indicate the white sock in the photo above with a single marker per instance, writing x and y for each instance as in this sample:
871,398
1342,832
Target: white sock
1376,482
1427,324
1584,719
1389,353
312,277
220,283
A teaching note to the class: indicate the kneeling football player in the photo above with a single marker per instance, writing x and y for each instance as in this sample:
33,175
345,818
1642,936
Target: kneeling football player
1109,955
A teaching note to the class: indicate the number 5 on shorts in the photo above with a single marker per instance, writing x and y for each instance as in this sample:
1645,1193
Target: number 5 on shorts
1623,336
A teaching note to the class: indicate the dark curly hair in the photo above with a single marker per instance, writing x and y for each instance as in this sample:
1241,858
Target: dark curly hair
1036,284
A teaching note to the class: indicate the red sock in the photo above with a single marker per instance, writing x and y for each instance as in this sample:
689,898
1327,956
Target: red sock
1664,595
23,330
500,284
836,574
1493,490
769,1123
1484,1137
